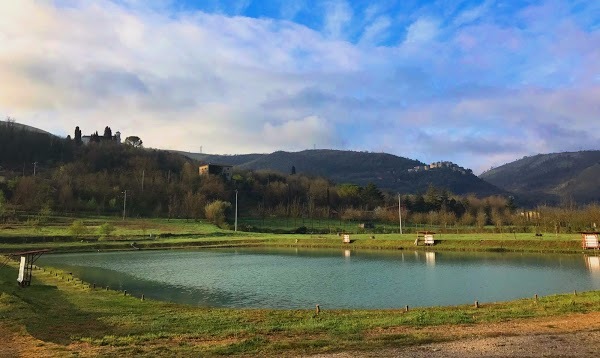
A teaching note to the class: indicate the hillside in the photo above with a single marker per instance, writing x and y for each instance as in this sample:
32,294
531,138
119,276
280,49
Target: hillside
387,171
19,126
551,178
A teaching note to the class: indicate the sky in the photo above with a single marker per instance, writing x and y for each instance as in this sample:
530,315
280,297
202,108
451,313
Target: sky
478,83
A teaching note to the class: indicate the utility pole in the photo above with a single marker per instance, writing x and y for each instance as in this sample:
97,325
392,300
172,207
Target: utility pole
400,213
236,209
124,204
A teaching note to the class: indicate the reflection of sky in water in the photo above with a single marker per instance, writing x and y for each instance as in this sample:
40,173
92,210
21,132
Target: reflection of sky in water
301,278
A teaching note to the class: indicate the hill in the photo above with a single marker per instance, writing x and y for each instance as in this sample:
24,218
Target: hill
387,171
551,178
25,127
22,145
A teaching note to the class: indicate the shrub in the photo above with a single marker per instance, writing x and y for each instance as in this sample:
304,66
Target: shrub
215,212
45,213
105,230
78,229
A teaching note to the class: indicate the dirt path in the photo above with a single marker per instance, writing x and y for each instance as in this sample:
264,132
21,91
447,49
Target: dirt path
13,344
576,335
567,336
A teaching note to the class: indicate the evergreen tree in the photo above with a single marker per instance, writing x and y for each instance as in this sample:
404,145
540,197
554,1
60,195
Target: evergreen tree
95,138
107,133
77,135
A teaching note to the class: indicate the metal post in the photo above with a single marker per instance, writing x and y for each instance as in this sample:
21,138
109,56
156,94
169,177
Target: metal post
236,209
34,167
400,213
124,204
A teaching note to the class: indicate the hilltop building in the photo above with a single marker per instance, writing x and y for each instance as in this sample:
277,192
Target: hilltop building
440,165
87,139
216,169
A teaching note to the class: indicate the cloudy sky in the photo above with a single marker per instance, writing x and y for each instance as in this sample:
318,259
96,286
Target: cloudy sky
479,83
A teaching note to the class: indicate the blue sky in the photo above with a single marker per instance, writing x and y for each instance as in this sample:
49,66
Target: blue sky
479,83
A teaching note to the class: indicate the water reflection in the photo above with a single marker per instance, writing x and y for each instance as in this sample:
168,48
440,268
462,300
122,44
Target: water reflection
299,278
430,258
593,264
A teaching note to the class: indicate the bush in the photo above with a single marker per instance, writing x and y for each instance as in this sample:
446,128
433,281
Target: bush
45,213
105,230
2,205
301,230
215,212
78,229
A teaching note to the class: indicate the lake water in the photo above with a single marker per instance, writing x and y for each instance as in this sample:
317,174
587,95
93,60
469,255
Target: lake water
301,278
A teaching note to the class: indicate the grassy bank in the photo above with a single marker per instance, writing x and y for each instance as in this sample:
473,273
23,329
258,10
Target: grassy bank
483,242
60,316
162,233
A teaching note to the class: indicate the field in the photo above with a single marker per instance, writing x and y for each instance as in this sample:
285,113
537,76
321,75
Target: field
161,233
60,315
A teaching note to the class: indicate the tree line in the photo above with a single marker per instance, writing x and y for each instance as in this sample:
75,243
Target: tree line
92,179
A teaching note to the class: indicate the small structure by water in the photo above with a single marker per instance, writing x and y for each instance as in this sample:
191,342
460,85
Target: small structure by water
589,240
26,265
427,237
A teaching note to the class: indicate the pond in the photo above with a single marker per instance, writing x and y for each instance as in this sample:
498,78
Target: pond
301,278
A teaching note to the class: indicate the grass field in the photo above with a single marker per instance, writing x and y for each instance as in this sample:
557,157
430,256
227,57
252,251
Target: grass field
162,233
60,317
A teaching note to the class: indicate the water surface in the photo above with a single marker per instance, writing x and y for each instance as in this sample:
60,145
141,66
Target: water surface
301,278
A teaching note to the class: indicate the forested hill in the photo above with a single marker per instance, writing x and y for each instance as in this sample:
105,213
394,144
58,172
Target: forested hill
19,126
387,171
551,178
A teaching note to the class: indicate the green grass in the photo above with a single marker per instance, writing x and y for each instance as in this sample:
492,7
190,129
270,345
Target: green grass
64,313
162,233
58,226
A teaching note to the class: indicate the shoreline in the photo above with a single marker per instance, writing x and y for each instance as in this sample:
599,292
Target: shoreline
547,246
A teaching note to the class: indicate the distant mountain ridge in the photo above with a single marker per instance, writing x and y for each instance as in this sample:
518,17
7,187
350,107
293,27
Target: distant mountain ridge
387,171
551,178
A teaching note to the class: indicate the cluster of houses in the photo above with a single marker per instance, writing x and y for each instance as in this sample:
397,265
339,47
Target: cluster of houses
216,169
95,137
440,165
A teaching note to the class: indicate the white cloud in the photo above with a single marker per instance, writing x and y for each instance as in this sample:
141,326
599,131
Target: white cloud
376,31
300,134
240,6
473,14
338,15
372,11
290,8
421,31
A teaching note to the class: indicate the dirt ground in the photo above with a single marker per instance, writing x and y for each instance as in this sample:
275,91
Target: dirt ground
567,336
575,335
